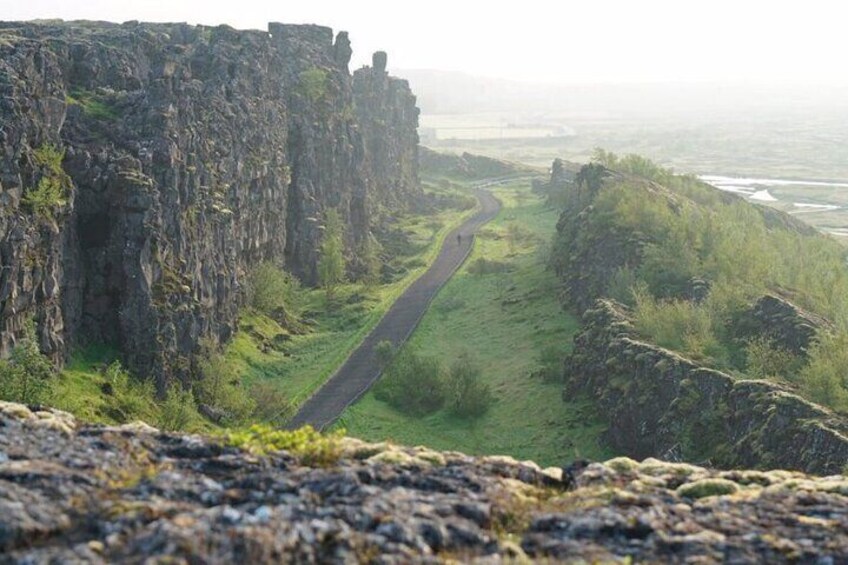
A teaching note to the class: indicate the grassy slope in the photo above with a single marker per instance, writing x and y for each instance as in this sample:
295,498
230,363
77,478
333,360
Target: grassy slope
506,320
303,362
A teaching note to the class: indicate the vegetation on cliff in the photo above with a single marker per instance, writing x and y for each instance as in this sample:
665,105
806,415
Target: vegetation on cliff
694,261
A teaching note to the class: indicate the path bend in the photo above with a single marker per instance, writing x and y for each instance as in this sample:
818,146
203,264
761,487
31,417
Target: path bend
360,371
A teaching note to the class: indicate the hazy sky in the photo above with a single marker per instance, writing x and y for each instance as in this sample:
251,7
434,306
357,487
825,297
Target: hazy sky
548,41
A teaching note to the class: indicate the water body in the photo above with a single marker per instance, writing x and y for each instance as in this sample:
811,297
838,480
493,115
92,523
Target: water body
759,189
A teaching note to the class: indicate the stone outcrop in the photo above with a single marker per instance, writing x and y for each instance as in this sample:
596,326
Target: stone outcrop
193,153
781,322
386,109
660,404
91,494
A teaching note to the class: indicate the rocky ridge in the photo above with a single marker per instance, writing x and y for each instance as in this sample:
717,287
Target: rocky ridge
191,154
664,405
94,494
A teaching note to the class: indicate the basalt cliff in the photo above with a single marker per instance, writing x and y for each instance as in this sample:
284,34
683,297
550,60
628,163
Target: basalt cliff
146,168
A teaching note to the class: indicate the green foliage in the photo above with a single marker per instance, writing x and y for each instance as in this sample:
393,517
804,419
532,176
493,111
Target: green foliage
311,447
27,375
412,383
331,263
271,404
127,397
93,105
825,378
178,410
468,396
372,263
51,191
313,83
275,293
688,231
220,388
765,360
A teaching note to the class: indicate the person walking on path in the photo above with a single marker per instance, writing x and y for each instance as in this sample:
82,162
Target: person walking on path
459,239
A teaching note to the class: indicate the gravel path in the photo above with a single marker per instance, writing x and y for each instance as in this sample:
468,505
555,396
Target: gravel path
360,371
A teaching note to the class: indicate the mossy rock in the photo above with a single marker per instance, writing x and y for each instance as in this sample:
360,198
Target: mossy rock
707,487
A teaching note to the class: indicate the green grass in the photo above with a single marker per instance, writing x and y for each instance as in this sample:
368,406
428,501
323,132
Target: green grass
300,364
505,320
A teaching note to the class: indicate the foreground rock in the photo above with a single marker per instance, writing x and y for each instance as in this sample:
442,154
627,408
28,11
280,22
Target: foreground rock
70,492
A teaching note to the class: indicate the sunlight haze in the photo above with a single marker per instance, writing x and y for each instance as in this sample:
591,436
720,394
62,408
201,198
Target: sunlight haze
562,42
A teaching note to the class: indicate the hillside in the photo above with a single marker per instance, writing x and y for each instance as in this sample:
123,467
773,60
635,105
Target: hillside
76,493
730,319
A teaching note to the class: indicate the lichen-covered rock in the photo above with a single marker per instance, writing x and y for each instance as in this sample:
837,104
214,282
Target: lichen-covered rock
660,404
107,495
192,154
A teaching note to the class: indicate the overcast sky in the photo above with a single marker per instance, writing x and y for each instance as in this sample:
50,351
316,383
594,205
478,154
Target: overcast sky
557,41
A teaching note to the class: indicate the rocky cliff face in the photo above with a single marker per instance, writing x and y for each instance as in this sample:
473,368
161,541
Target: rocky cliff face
91,494
191,154
663,405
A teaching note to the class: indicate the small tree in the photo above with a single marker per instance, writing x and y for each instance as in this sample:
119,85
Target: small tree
26,376
276,293
467,396
371,262
331,263
412,383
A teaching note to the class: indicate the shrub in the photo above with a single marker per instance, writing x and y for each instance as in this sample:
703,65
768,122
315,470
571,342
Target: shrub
412,383
764,360
178,410
51,190
385,352
220,389
311,447
467,396
331,263
275,293
823,380
270,403
128,397
26,377
313,83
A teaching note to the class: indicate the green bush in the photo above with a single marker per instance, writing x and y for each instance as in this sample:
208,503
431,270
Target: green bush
51,191
276,293
26,377
467,396
127,398
270,403
764,360
178,410
412,383
313,83
825,378
218,387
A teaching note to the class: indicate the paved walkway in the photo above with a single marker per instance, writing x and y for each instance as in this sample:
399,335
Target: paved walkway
361,371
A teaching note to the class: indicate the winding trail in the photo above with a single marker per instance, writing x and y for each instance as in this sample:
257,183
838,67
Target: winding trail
360,371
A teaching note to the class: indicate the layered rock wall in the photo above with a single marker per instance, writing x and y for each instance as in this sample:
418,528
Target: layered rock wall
660,404
193,153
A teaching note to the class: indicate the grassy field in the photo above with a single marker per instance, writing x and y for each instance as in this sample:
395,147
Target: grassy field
505,320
